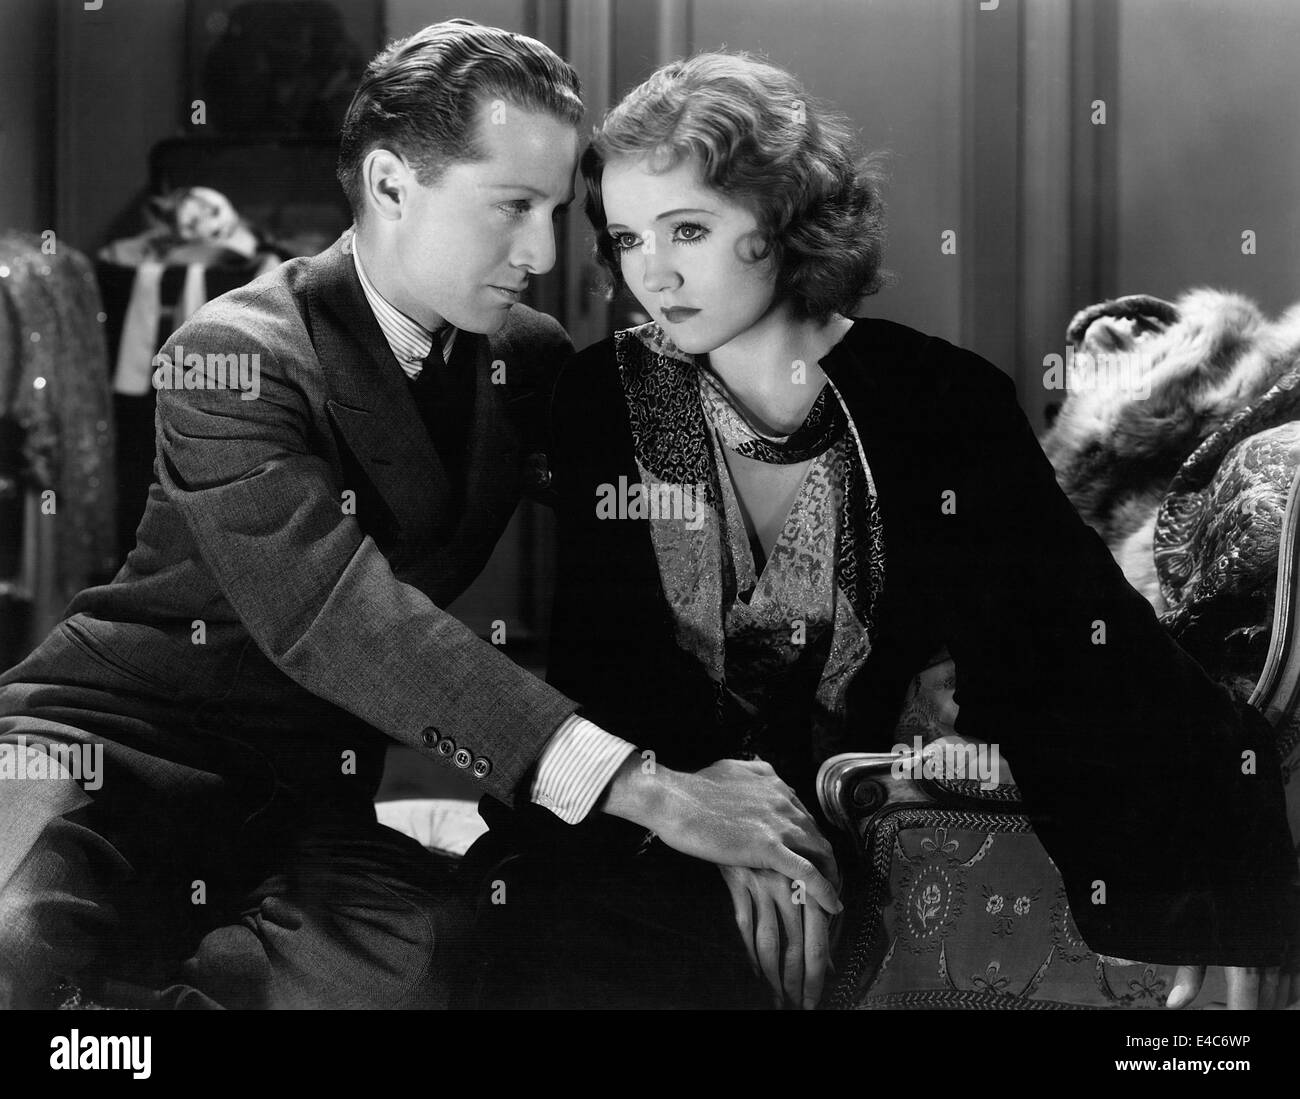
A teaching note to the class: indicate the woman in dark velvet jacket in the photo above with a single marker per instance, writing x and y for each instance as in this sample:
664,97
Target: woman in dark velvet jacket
771,515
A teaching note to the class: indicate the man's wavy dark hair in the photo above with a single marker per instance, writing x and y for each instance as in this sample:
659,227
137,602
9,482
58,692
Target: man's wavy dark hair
763,142
421,95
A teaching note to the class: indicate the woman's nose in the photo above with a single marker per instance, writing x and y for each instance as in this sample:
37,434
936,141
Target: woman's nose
658,273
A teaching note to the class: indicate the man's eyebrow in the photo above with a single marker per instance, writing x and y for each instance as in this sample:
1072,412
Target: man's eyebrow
530,189
671,213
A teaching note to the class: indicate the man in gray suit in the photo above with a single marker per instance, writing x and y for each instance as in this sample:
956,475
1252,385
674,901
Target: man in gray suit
186,819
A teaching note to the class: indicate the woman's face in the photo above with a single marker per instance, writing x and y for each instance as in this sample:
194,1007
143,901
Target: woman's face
684,251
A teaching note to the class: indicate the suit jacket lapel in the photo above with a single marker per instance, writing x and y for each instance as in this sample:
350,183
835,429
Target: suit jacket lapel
370,402
369,399
493,467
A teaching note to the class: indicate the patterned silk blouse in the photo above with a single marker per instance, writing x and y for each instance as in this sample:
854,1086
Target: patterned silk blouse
783,643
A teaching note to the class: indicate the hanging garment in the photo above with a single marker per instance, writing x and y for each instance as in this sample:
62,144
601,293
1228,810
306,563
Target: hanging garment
56,411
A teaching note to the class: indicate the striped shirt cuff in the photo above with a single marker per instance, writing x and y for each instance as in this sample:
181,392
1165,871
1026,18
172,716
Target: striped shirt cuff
575,768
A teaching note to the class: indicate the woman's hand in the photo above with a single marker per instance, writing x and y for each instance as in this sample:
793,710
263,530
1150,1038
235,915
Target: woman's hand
785,931
734,813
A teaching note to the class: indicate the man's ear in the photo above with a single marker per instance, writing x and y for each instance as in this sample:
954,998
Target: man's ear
1115,325
381,162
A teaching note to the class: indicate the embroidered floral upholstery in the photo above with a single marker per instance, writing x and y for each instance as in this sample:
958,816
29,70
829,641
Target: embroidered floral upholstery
1217,541
962,908
959,906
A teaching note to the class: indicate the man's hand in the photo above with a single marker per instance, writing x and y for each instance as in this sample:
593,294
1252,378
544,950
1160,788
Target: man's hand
787,938
734,813
1248,988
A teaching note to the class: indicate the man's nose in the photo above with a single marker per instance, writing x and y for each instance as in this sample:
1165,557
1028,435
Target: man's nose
658,273
535,247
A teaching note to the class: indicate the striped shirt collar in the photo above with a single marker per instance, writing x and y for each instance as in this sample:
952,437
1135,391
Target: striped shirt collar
410,341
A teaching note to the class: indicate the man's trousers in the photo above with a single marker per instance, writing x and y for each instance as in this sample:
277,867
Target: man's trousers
203,868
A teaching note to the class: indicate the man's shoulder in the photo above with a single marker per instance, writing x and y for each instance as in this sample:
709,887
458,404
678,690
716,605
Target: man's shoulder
269,311
262,328
529,332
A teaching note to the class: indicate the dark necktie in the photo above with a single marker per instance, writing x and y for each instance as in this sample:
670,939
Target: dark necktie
444,395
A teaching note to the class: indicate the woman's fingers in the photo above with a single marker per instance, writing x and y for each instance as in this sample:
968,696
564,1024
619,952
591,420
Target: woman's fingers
1187,983
785,933
816,953
742,904
1268,988
767,942
1248,987
792,969
1243,987
1288,990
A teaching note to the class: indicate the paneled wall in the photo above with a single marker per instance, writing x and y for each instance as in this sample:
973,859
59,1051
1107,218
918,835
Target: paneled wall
894,66
26,115
120,76
1208,128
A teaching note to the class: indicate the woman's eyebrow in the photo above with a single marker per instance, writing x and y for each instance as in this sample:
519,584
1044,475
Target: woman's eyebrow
668,214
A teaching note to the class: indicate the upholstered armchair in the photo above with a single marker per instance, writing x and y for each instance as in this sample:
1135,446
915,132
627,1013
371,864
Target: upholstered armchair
959,905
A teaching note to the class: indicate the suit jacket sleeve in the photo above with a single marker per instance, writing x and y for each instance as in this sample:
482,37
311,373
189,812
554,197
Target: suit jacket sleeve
264,508
1158,796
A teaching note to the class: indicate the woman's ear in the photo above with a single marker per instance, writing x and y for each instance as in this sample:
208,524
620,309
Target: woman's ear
754,246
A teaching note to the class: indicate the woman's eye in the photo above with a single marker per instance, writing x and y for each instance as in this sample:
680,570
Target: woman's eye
625,242
516,209
689,233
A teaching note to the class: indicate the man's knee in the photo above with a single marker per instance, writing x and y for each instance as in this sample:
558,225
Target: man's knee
355,952
22,949
31,942
54,910
354,916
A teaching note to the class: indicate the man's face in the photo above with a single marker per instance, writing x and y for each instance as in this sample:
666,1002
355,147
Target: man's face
464,249
685,253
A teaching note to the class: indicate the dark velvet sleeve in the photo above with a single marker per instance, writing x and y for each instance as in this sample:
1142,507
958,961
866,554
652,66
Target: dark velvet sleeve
611,644
1158,797
612,641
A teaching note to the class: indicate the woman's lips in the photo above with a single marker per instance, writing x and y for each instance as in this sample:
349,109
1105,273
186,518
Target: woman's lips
678,314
